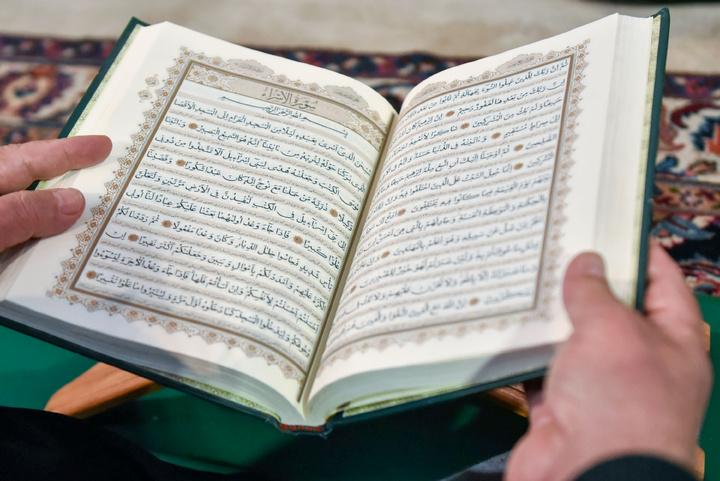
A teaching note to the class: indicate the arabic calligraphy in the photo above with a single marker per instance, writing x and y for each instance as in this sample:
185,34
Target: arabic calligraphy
457,227
238,216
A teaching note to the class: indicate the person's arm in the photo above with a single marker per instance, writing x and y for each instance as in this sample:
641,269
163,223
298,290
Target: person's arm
28,214
624,384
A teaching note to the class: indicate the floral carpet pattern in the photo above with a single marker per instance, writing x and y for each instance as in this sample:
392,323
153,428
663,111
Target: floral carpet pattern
42,79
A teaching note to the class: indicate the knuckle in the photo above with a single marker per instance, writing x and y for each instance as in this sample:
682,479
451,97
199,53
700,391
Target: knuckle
16,169
23,213
16,154
9,151
29,210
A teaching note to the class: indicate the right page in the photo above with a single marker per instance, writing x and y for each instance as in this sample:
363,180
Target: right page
499,172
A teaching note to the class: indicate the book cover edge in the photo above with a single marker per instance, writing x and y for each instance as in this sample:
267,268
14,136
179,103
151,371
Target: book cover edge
664,30
341,419
104,69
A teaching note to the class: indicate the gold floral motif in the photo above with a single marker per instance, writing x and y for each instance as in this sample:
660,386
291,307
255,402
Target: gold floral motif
369,125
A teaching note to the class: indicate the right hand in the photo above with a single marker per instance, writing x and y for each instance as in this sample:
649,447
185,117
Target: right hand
624,383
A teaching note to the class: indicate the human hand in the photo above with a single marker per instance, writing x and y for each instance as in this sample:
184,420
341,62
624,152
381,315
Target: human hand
624,383
28,214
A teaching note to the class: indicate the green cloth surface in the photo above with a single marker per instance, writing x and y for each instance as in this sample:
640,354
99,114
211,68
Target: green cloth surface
710,436
422,444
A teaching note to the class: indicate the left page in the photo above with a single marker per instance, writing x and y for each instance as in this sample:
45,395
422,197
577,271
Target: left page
219,225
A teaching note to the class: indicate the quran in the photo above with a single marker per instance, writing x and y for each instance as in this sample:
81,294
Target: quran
275,237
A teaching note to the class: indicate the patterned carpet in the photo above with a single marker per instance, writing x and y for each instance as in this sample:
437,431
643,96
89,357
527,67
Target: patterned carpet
42,79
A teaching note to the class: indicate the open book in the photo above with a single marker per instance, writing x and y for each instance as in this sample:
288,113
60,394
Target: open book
276,237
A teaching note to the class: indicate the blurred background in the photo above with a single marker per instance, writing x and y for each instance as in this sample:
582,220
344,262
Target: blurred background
471,28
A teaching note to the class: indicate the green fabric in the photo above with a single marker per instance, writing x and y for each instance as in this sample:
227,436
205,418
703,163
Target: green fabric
423,444
710,437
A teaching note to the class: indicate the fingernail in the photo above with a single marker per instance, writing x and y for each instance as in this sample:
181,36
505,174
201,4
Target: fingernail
594,266
69,201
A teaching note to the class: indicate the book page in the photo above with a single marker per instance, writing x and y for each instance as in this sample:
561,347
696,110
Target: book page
489,188
228,206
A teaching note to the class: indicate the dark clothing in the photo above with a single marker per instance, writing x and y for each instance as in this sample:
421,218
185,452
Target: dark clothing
636,468
38,445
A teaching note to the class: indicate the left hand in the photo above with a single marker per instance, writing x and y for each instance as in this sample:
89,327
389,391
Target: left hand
29,214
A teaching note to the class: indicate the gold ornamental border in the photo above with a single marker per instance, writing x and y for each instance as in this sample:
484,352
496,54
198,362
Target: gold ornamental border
213,72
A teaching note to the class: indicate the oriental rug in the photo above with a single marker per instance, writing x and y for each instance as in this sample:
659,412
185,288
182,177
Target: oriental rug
42,79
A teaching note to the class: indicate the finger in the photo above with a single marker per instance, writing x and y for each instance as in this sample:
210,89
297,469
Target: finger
586,292
25,215
22,164
669,303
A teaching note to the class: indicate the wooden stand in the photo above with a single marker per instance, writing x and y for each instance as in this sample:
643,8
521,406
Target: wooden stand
98,389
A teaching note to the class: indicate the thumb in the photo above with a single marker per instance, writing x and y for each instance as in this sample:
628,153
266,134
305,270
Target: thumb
28,214
587,294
